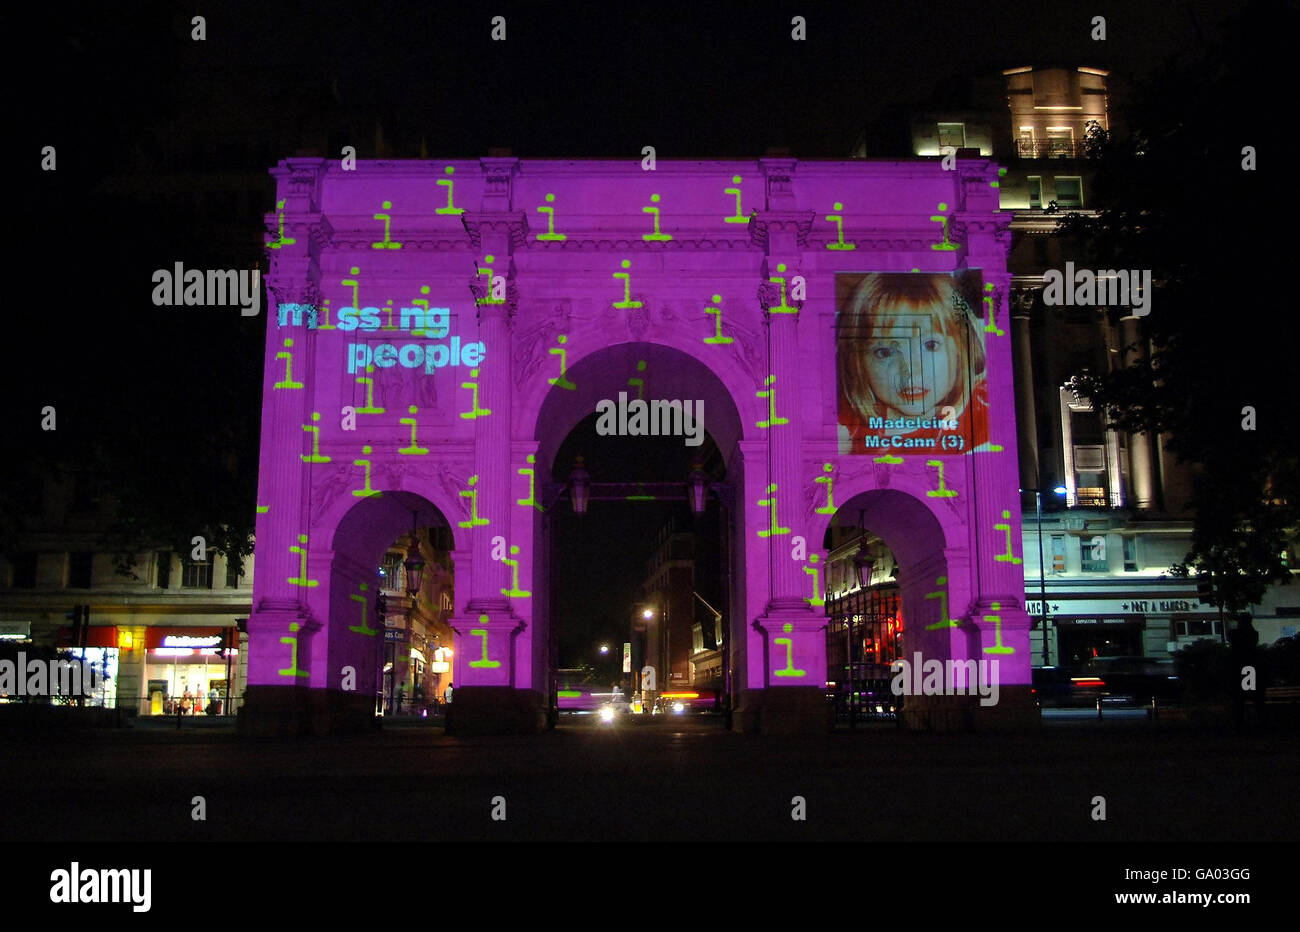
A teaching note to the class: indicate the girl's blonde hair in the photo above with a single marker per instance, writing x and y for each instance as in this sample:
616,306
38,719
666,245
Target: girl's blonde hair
887,302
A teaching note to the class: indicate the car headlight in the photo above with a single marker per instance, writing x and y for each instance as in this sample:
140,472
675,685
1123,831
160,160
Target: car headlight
678,707
607,714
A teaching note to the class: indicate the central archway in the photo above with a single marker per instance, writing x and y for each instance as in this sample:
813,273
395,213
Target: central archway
645,473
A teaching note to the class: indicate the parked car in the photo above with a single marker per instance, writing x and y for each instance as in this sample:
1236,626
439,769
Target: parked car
1114,680
1137,680
1059,688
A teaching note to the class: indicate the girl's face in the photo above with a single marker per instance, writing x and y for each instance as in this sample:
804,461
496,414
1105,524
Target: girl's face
911,368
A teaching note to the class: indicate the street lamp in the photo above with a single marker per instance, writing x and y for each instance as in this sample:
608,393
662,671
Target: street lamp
604,648
696,485
864,565
579,486
1042,567
414,562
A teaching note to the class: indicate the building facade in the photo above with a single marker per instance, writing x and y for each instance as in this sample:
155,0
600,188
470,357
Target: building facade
167,637
1121,517
400,388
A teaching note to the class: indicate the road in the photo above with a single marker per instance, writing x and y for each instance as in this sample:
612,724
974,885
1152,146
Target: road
670,781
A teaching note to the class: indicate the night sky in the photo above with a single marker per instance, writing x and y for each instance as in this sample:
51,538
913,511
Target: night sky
123,92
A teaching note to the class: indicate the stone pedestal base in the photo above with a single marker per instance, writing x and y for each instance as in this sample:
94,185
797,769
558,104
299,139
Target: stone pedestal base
495,710
290,710
1015,711
783,710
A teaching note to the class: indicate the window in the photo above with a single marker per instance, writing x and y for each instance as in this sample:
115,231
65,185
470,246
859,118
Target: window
1069,191
393,572
952,134
1060,142
1092,557
164,569
234,565
1130,555
1035,192
1197,627
1025,142
1058,553
79,570
196,575
24,570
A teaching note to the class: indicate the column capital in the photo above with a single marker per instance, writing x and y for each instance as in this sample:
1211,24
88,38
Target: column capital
511,226
768,228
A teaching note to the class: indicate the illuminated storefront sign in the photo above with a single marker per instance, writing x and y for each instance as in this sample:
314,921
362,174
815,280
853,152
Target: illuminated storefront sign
15,630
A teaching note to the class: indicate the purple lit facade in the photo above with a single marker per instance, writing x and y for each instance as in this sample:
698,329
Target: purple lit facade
546,301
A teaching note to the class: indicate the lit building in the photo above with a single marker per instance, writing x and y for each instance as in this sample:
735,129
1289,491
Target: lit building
1110,537
168,631
683,626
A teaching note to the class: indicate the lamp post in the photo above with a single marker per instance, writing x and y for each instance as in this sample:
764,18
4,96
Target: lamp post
647,615
1042,567
864,566
414,565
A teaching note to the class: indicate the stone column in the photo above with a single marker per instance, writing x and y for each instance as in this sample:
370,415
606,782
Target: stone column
485,660
1141,472
1026,407
793,638
276,702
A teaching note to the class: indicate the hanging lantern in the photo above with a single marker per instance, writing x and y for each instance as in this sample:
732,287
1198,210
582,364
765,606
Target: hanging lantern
414,562
696,486
864,565
579,486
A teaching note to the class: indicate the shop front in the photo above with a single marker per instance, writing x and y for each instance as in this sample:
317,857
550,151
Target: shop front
189,671
98,649
1084,639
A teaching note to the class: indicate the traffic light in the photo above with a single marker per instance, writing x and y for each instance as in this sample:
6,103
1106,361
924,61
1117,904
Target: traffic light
80,618
1205,591
74,616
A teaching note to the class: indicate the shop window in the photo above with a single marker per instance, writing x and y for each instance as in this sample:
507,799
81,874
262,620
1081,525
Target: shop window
1130,555
1197,627
196,574
234,569
24,570
80,566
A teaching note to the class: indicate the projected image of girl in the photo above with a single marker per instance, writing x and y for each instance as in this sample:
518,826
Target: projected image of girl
910,363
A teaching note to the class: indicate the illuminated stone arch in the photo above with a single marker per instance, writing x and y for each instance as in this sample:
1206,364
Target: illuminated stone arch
515,254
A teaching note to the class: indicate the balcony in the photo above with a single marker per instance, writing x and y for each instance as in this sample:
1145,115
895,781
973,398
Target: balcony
1051,149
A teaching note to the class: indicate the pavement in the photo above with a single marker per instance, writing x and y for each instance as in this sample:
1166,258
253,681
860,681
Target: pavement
673,781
